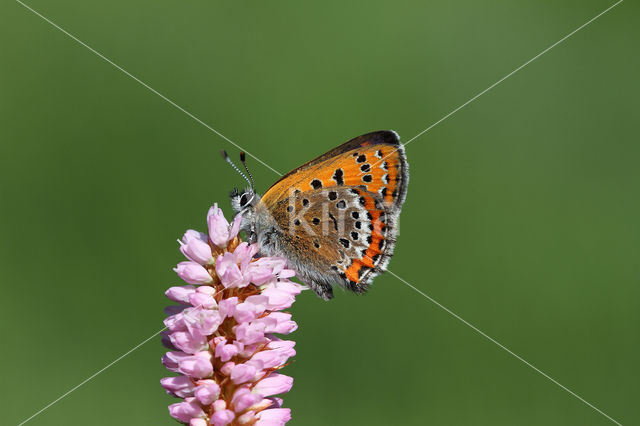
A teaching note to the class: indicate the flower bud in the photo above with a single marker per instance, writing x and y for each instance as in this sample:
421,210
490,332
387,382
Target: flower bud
193,273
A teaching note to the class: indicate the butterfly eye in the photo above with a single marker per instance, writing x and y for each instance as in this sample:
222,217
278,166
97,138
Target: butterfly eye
244,199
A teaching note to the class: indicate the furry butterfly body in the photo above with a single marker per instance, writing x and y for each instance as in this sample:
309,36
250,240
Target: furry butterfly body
335,217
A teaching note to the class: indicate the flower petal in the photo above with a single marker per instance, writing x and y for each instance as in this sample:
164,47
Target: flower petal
273,417
273,384
193,273
218,227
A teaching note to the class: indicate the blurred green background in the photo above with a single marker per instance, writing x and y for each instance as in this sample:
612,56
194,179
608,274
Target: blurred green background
521,217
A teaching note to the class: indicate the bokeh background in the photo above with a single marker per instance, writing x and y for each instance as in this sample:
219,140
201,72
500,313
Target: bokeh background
522,214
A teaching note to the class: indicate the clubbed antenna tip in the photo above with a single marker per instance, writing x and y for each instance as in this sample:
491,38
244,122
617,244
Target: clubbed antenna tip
228,160
242,160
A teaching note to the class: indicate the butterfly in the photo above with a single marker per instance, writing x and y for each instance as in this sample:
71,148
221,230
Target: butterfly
335,218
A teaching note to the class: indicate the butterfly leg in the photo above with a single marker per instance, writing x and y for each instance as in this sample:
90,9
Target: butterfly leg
323,290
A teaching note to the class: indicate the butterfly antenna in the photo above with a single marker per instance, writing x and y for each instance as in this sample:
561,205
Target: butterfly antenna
228,160
243,161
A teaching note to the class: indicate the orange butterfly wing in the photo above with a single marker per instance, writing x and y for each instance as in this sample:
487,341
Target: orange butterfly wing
371,171
374,161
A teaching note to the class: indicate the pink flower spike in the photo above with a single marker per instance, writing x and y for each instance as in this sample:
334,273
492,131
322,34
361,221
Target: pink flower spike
273,384
273,417
222,333
193,273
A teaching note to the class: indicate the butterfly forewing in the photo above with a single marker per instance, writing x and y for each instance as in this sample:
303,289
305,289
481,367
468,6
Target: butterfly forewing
374,161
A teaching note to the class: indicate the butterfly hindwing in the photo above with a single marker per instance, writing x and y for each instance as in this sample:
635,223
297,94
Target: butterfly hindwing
342,234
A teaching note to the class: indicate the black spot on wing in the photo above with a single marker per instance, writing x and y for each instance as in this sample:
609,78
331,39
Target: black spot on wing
338,176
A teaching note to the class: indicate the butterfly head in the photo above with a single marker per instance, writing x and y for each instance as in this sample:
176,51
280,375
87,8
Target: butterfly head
244,202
